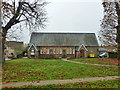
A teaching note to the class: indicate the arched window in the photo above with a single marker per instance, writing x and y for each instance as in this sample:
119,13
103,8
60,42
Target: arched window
54,50
73,51
57,52
60,51
41,50
32,52
67,50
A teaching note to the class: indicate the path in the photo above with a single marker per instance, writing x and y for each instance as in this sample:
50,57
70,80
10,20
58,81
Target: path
64,59
46,82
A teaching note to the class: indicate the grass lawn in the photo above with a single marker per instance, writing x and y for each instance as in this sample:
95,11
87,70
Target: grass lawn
36,69
106,61
94,84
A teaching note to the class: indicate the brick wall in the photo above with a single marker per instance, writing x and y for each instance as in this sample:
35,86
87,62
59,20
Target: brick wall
93,50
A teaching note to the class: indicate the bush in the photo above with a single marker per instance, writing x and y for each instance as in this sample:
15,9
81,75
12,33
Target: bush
60,57
68,58
112,54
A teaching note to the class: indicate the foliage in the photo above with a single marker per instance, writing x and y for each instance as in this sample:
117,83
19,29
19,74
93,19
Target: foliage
30,13
19,49
106,61
68,58
110,33
112,54
90,84
42,69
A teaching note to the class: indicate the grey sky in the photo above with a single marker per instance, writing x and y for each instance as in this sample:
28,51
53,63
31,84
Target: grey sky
73,16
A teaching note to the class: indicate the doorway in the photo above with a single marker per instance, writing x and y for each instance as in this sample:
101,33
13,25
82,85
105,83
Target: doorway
64,53
82,53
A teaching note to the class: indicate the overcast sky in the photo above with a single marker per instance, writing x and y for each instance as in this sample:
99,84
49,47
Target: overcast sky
73,16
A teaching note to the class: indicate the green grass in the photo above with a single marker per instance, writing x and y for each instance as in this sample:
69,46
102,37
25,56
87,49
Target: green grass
36,69
93,84
106,61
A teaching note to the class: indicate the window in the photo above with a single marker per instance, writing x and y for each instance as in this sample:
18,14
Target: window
54,50
70,51
60,51
47,51
73,51
44,51
57,52
32,52
67,50
6,53
41,51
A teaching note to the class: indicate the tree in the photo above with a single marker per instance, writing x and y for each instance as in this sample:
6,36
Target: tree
19,49
117,6
1,49
111,24
19,12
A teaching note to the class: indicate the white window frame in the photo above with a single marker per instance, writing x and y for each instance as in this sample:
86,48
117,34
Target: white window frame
47,51
73,51
60,51
32,52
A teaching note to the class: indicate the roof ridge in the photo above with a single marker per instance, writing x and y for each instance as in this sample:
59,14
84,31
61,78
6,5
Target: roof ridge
60,33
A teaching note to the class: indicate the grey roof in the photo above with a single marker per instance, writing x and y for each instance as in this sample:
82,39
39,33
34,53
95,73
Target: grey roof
63,39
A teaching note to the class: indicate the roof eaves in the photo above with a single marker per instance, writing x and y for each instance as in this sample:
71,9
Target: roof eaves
33,46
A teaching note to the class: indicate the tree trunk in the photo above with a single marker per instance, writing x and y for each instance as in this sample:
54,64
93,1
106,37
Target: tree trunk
118,29
2,41
1,48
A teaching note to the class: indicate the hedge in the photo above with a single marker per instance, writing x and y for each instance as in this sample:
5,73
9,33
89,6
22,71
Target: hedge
112,54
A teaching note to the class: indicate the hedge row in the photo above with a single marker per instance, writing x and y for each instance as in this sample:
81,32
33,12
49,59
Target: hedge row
112,54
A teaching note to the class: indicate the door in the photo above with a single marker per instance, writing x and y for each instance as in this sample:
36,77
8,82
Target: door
64,53
82,53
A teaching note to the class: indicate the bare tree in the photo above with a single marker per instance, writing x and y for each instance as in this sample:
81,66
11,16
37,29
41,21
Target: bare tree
19,12
1,49
110,32
118,27
109,22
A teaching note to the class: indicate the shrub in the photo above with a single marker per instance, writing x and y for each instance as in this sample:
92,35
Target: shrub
112,54
68,58
60,57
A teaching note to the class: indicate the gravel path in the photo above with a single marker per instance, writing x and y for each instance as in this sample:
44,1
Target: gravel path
64,59
46,82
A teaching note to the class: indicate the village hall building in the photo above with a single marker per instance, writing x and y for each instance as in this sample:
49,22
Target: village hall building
56,45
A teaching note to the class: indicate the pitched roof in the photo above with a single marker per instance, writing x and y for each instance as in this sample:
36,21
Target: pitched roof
13,43
82,46
33,46
63,39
